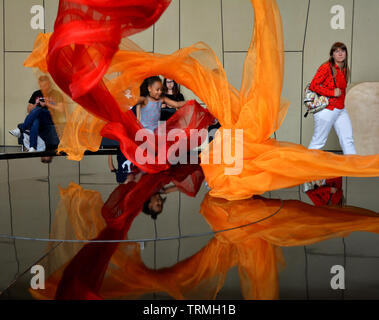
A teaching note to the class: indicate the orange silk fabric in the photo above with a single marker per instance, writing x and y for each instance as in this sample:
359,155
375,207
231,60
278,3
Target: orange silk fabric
257,109
254,249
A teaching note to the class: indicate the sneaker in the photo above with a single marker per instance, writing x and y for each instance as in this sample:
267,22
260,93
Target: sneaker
15,132
129,163
32,150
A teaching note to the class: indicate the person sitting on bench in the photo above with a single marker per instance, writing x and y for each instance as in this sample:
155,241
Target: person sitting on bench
39,117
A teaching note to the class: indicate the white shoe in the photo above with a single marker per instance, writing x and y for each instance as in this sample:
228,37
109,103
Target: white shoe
129,165
32,150
15,132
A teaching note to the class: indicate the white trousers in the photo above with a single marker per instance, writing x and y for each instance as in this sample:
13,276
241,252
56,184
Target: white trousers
324,120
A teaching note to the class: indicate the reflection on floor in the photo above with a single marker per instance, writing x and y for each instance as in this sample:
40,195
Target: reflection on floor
68,200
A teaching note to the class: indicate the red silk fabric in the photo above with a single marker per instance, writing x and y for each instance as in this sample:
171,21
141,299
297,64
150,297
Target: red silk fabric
86,36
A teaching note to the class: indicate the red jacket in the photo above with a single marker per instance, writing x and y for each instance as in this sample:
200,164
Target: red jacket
323,84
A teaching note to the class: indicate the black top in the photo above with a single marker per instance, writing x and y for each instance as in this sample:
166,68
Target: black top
167,112
55,95
179,97
33,99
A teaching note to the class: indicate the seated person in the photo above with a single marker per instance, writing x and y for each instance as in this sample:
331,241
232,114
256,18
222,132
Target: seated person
39,118
41,145
171,90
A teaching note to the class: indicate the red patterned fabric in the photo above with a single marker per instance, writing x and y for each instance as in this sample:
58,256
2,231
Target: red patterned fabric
323,84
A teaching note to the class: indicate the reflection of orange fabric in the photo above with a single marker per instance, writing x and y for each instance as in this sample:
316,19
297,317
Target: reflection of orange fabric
254,249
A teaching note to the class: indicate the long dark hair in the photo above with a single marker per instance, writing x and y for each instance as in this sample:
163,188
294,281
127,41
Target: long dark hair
175,89
153,214
143,89
345,68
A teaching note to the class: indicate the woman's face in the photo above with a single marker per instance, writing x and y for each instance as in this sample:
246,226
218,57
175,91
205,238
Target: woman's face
44,85
339,55
155,90
170,84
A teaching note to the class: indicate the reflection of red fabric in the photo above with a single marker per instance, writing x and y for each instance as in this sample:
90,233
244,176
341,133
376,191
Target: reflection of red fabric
322,195
86,36
83,276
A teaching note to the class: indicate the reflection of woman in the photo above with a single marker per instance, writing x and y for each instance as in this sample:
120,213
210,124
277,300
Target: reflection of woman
335,114
325,192
171,90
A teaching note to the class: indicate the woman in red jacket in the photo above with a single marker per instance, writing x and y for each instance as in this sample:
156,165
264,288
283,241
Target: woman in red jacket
335,113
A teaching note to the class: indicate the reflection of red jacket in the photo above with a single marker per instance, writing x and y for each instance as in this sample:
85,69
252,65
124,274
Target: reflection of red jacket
321,196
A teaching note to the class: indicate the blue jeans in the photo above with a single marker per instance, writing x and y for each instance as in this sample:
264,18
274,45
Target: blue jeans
35,121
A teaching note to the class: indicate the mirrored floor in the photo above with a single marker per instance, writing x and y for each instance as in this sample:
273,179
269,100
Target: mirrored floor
278,245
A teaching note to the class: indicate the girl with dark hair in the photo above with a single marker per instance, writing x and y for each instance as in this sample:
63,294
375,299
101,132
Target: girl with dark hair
331,81
171,90
150,103
154,206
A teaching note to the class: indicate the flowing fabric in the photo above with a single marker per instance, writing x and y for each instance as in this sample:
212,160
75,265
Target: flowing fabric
80,58
114,271
86,36
267,163
82,280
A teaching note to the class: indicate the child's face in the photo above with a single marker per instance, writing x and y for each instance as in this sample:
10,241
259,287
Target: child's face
155,90
156,203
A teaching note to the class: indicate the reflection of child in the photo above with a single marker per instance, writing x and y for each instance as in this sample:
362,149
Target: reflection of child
326,192
154,205
149,106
